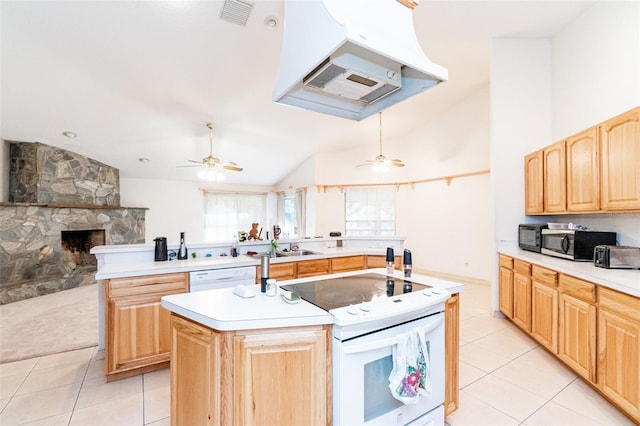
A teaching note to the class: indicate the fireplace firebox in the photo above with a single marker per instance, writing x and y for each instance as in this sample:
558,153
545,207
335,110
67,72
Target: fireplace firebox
76,245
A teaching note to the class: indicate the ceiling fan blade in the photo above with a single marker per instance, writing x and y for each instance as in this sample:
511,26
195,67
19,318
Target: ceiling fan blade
396,162
190,165
194,161
228,166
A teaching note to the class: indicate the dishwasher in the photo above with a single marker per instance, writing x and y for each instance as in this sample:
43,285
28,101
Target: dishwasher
221,278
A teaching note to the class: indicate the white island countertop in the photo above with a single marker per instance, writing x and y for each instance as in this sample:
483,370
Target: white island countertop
224,311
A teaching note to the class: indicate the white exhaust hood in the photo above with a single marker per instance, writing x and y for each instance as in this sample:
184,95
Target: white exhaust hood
351,58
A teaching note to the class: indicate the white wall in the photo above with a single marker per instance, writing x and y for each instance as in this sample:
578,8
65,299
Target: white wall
177,206
445,225
596,67
544,90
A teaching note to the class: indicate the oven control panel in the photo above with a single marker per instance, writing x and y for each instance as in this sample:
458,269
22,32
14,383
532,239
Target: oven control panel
352,320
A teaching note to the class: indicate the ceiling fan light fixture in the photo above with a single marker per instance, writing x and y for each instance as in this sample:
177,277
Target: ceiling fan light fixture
380,167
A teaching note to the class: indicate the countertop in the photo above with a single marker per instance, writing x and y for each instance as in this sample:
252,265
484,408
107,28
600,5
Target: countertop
222,310
623,280
120,270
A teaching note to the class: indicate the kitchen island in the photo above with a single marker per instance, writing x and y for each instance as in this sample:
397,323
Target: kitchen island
258,360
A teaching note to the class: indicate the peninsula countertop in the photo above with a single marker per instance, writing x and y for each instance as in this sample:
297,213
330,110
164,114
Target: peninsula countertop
223,310
119,270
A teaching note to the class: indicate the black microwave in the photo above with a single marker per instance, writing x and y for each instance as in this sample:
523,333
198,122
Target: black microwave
573,244
530,236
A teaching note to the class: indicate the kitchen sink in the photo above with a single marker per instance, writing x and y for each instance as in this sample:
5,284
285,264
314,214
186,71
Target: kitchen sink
302,252
278,254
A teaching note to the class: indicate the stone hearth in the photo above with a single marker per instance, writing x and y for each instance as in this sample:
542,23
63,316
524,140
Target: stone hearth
61,205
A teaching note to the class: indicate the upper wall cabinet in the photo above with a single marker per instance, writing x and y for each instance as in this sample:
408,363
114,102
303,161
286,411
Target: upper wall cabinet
555,193
583,183
620,147
594,171
533,183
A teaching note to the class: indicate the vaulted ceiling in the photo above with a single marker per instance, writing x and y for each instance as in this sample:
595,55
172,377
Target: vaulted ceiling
140,79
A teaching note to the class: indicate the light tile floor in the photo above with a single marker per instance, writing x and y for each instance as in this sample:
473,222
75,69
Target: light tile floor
505,379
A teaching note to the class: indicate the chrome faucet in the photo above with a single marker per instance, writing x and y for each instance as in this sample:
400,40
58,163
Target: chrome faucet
295,247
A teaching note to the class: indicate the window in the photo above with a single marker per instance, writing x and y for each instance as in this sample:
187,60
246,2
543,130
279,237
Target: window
370,211
292,213
226,214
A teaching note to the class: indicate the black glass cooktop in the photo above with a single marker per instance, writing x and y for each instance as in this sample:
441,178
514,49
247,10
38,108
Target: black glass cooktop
344,291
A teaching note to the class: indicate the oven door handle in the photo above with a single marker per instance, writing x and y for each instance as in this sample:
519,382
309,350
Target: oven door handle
391,341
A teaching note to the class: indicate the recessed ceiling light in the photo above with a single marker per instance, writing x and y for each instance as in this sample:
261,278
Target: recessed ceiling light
271,22
143,159
70,135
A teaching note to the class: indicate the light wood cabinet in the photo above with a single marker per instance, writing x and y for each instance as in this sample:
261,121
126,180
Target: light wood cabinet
583,177
137,335
378,261
196,374
618,345
293,361
544,307
279,271
312,268
505,285
620,152
227,378
555,193
577,325
594,171
534,183
522,294
348,263
594,330
452,351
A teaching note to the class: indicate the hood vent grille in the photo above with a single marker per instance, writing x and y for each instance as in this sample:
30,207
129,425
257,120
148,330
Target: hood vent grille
236,11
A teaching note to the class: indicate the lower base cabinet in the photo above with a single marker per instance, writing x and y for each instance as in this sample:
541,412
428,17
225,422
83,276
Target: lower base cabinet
594,330
137,337
618,345
228,378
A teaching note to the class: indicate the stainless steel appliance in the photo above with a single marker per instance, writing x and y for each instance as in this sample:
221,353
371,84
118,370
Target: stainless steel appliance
221,278
617,257
370,312
530,236
574,244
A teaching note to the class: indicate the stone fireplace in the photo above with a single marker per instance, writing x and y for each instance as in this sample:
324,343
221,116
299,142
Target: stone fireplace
60,205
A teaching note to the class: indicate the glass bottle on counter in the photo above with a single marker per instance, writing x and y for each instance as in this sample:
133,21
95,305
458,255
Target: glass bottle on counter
182,250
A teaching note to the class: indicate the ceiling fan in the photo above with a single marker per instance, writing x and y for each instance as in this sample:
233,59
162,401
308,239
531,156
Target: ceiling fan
212,163
381,163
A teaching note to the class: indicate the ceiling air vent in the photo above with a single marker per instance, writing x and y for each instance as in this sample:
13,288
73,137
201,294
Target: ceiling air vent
236,11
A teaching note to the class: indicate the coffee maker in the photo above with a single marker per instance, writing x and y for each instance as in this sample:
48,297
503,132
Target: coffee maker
161,249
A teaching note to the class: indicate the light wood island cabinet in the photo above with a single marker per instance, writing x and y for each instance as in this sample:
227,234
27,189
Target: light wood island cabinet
228,378
137,337
451,353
